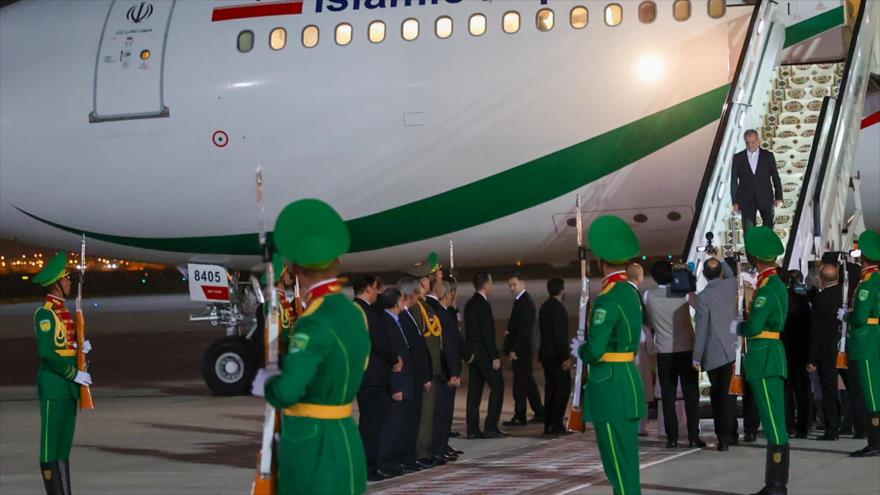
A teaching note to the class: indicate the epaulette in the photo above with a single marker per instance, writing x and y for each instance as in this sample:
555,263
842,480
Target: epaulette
313,306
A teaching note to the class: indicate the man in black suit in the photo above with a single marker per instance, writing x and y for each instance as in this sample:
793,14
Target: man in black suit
754,184
824,337
796,340
485,363
422,372
518,348
401,389
553,354
450,364
373,397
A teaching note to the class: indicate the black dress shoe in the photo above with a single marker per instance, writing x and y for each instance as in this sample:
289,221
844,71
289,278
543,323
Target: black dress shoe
671,444
449,457
425,463
828,437
379,475
453,450
410,468
454,434
734,441
866,452
537,420
495,434
749,437
437,461
722,447
515,422
476,436
696,443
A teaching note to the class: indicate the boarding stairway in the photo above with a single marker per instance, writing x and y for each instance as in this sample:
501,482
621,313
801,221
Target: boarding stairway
808,115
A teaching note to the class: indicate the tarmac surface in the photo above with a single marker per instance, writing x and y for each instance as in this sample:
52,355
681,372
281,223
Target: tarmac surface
157,430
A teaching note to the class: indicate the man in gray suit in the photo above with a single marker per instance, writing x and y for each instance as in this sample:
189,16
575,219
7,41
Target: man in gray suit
715,345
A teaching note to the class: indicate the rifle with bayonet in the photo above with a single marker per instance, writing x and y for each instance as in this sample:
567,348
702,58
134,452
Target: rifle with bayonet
266,482
842,360
575,414
737,383
85,393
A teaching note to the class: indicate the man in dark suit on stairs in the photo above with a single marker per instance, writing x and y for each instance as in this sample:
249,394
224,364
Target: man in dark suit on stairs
754,184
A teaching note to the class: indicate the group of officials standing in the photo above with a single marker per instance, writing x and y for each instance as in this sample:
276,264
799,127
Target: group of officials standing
400,355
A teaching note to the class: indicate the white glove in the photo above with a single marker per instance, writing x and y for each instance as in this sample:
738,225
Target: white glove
83,378
734,325
87,346
576,344
258,388
841,314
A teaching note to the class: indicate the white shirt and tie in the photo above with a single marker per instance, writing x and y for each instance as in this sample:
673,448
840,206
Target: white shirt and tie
753,159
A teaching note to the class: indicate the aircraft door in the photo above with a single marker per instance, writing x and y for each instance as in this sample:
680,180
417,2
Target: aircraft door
130,62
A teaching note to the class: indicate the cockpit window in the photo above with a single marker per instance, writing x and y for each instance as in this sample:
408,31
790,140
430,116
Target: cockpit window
245,41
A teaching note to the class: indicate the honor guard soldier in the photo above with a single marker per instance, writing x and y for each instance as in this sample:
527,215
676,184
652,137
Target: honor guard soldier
765,363
863,343
320,450
58,380
613,398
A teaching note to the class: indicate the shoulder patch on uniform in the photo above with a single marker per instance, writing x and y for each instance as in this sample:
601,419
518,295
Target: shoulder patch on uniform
45,325
760,302
299,343
599,316
863,295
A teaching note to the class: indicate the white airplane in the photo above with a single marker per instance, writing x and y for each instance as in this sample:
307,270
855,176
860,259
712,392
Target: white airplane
141,123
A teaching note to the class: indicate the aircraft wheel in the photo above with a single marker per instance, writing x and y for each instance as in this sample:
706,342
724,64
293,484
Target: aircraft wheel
229,366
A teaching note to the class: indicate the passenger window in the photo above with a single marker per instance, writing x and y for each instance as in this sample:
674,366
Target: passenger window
681,10
443,27
343,34
310,36
613,14
477,25
410,29
376,32
245,41
510,22
717,8
277,38
647,12
544,20
579,17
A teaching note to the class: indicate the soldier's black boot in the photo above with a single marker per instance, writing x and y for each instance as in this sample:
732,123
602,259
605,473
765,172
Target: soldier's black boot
776,471
64,468
873,434
51,478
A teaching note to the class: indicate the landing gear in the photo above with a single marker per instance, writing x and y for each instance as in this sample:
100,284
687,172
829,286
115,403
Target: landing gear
229,365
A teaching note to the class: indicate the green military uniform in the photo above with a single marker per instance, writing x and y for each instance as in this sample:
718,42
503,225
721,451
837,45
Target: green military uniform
863,343
613,395
765,365
58,394
321,450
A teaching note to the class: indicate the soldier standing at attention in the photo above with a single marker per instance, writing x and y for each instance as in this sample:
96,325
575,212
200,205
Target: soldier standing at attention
765,363
58,380
613,400
863,344
321,450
